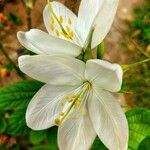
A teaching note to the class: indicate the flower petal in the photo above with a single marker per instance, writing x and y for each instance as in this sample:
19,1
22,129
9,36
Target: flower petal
104,74
56,70
76,133
108,120
46,105
66,17
104,21
60,10
87,14
42,43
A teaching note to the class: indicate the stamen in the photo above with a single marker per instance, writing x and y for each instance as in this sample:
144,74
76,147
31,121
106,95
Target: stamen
52,27
57,32
58,122
69,21
61,113
68,29
61,19
52,20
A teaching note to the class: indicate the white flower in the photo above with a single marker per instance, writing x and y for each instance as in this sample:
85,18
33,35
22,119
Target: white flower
69,34
78,98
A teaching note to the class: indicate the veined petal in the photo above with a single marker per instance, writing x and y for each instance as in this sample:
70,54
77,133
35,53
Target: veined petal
42,43
104,21
109,120
76,133
104,74
88,12
45,106
65,16
56,70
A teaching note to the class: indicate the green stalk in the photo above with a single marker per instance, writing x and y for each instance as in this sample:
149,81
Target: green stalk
131,66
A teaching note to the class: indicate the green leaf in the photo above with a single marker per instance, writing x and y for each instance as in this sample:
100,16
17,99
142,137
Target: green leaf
3,124
52,138
139,129
16,124
98,145
36,137
145,144
42,147
18,95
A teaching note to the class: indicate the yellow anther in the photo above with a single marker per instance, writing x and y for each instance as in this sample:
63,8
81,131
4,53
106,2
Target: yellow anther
68,29
74,96
52,20
52,27
61,19
58,122
65,35
71,34
67,97
69,21
61,113
70,100
57,32
62,104
77,103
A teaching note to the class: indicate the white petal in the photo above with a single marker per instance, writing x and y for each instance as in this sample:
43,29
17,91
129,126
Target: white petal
60,10
104,74
87,14
28,45
109,120
46,105
42,43
104,21
69,19
76,133
57,70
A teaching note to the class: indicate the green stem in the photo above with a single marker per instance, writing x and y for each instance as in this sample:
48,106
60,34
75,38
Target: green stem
101,50
128,67
10,60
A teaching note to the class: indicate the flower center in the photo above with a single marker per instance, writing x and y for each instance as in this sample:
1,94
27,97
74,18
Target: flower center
64,25
74,102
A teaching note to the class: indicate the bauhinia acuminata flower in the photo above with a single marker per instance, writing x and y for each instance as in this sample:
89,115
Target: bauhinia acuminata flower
78,98
69,34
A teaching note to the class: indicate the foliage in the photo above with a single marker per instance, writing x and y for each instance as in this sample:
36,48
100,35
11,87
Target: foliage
138,80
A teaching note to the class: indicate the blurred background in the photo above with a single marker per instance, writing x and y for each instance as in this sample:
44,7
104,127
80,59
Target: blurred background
127,42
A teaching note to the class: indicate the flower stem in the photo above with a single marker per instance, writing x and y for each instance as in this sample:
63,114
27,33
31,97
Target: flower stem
128,67
10,60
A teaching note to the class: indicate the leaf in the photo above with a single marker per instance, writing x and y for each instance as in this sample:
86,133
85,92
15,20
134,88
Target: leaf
16,124
145,144
36,137
42,147
139,129
3,124
52,138
98,145
18,95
